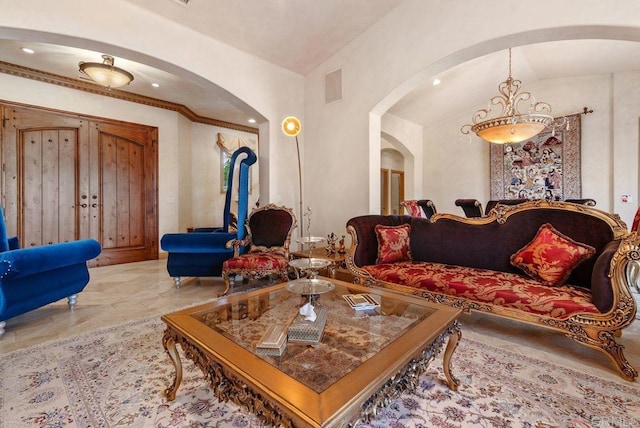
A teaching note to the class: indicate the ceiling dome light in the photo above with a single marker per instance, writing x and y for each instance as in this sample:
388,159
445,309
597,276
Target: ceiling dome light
105,73
27,50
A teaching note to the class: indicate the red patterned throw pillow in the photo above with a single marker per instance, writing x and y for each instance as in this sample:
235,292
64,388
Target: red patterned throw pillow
550,257
393,243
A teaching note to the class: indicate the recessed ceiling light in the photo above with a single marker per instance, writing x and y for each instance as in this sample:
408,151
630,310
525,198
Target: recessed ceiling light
436,82
252,120
27,50
155,85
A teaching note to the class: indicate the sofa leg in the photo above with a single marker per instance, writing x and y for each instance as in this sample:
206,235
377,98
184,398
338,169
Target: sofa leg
176,281
72,301
3,324
615,352
605,341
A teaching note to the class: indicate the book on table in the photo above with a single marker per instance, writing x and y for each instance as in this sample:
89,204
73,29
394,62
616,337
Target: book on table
361,302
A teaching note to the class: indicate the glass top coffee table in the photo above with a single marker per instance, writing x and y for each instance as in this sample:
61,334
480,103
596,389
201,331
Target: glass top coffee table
363,359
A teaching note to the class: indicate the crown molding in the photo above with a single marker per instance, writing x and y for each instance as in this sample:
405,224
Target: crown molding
54,79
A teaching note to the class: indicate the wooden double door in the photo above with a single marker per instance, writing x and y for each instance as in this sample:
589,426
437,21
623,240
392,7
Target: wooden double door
68,177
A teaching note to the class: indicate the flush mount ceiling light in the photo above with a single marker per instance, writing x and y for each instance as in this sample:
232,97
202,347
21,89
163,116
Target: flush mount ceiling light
511,126
105,73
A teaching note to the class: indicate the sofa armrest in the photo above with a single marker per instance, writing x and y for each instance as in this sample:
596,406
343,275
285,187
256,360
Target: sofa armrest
362,229
237,245
14,243
27,261
196,242
601,287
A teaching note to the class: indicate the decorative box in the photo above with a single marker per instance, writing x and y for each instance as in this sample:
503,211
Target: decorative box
274,341
303,331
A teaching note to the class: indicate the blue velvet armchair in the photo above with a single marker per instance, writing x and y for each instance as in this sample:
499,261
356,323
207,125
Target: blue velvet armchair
36,276
201,253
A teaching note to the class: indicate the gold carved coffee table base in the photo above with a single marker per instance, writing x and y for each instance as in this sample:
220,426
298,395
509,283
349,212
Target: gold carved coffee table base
365,359
227,386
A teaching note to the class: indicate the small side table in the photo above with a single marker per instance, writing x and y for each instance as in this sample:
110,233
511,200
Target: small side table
336,259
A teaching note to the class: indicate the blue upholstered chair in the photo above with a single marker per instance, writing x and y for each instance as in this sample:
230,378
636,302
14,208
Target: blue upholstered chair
36,276
202,252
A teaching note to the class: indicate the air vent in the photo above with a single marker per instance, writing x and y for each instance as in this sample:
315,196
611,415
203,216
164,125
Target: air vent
333,86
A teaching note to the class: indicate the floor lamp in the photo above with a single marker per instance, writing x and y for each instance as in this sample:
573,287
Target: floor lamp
291,126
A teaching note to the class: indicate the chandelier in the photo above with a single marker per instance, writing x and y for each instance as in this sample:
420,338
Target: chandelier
511,126
105,73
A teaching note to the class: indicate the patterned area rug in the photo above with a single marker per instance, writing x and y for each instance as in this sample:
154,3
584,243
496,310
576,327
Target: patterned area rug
114,377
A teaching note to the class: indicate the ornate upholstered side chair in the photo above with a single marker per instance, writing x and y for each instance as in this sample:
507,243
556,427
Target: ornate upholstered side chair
588,201
419,208
412,208
493,202
266,244
471,207
428,207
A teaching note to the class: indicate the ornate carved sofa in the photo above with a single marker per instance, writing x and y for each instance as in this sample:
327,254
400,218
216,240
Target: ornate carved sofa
577,279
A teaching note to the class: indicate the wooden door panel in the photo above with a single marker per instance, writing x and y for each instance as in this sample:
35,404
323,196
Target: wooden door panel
127,193
67,192
123,189
136,195
108,173
67,177
47,195
30,230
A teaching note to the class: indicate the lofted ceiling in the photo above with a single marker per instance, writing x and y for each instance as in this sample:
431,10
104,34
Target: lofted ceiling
300,35
469,86
296,34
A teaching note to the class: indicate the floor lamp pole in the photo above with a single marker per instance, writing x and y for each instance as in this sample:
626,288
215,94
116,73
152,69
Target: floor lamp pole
299,183
291,126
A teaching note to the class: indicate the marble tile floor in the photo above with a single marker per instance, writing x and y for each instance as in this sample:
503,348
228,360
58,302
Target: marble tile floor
121,293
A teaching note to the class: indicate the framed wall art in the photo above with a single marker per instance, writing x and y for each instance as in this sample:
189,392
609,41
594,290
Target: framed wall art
228,144
544,167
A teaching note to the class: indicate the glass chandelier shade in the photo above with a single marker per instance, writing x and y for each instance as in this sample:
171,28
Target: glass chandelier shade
511,126
105,73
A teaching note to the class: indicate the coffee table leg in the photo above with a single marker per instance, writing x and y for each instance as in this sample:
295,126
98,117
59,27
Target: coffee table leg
455,336
169,343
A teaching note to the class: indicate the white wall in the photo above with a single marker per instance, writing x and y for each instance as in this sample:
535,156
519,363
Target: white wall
134,33
407,137
207,199
609,154
180,202
340,142
409,47
170,133
626,111
188,156
390,158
